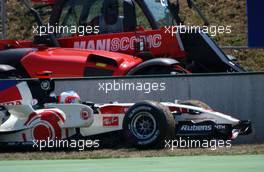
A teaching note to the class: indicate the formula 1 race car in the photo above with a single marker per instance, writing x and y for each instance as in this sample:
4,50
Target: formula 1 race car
26,118
144,46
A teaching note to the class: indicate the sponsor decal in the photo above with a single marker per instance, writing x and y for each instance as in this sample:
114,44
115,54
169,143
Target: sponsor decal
196,128
110,121
85,114
13,103
119,44
221,127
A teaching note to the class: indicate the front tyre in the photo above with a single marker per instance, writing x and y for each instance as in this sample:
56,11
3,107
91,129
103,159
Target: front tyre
147,124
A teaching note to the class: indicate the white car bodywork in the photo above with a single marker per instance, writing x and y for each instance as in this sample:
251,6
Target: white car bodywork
25,123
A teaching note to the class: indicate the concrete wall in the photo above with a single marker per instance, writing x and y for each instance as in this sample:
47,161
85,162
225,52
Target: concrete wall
239,95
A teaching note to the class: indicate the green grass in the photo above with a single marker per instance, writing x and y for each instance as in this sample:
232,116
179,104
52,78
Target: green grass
252,149
252,163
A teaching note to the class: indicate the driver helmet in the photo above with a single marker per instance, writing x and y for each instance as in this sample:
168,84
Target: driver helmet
69,97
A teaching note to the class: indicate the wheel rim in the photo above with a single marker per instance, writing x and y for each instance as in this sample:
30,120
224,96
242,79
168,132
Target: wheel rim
143,125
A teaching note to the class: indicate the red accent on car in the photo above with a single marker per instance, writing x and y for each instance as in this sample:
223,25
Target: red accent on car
184,110
85,115
30,117
24,137
112,109
110,121
173,109
70,99
10,94
44,74
58,114
42,132
177,109
47,125
64,62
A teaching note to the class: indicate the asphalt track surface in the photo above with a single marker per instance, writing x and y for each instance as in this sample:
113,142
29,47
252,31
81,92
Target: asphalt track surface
244,163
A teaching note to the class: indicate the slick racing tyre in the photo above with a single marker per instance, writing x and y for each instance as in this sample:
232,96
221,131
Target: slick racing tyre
196,103
148,124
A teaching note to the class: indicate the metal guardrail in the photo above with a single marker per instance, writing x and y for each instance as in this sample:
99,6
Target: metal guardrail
243,47
235,47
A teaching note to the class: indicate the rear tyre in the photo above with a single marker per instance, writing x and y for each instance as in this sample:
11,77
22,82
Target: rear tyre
148,124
